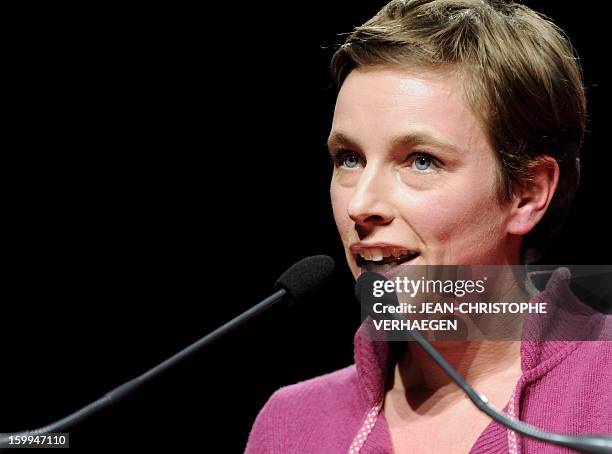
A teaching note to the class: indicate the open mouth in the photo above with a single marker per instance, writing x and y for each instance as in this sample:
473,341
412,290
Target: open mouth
381,260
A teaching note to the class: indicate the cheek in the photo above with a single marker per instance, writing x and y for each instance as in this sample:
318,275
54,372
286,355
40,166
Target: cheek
462,216
339,200
434,217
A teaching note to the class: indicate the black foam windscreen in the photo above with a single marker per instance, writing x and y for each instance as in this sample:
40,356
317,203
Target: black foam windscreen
364,292
305,277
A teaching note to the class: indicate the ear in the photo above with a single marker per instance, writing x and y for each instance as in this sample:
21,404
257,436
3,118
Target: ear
531,201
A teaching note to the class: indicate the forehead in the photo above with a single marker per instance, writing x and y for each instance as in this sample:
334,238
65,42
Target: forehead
377,103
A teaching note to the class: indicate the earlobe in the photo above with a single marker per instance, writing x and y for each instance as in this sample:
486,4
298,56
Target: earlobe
532,199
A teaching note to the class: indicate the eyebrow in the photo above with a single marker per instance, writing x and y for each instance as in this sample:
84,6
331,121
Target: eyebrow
339,138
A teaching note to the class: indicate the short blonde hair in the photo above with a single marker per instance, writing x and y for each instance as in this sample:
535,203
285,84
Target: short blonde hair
522,80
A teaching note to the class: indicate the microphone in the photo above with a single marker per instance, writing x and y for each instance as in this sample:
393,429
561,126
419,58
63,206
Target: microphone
596,444
305,277
298,283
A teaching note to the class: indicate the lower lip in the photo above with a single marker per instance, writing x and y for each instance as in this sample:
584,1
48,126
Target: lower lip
395,271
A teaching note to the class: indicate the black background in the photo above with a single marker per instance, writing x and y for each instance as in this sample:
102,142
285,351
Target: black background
160,169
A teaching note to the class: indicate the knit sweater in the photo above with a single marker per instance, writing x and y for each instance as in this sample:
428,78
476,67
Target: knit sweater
565,387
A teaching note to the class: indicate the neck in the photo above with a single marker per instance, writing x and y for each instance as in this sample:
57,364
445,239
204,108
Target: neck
478,362
483,361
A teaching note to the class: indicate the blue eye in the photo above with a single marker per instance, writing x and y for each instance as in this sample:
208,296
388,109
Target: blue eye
423,162
350,160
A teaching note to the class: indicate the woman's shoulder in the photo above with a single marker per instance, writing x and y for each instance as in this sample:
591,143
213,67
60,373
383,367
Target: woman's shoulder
573,391
599,349
322,390
294,414
591,354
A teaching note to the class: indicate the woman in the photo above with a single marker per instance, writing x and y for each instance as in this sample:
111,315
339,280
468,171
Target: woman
455,139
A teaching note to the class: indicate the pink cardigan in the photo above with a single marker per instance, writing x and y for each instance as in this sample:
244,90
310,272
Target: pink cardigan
566,387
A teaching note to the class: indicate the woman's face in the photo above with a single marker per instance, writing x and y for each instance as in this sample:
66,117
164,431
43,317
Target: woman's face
414,178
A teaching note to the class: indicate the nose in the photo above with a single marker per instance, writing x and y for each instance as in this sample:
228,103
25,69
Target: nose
369,205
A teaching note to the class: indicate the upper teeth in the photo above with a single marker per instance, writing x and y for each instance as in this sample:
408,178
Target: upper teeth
377,254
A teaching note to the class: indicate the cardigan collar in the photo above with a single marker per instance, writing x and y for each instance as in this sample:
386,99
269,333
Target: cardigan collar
562,322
